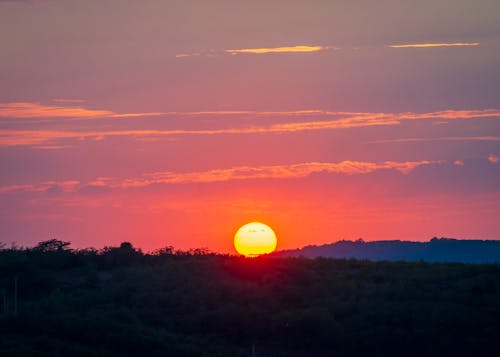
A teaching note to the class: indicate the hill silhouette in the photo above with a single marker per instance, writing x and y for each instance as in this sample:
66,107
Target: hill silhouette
118,301
435,250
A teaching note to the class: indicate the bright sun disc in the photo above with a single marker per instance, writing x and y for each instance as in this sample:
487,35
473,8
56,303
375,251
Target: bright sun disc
254,239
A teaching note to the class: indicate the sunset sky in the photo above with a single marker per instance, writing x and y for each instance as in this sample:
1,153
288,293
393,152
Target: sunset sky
176,122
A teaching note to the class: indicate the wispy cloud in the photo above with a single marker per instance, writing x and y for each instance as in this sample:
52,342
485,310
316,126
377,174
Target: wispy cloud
182,55
62,100
41,137
37,110
276,171
292,171
427,45
46,186
286,49
316,48
65,110
260,51
209,53
445,138
453,114
13,137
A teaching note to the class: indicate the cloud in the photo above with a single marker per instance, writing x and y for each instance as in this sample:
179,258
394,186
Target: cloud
51,147
335,120
493,158
453,114
40,137
181,55
210,53
289,49
314,48
37,110
427,45
276,171
46,186
259,51
446,138
62,100
222,175
458,163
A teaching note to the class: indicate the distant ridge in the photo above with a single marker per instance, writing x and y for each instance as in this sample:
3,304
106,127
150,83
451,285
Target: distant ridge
435,250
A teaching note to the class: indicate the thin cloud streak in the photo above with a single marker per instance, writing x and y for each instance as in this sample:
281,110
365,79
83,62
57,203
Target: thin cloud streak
276,171
62,100
12,137
289,49
427,45
316,48
37,110
46,186
452,114
292,171
446,138
260,51
28,110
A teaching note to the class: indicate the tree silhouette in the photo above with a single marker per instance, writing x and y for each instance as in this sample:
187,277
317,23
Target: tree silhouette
119,301
52,245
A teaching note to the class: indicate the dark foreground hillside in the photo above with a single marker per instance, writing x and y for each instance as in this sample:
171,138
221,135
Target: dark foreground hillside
435,250
120,302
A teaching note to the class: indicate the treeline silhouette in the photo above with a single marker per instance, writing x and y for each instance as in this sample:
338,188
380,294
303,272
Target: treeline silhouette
436,250
119,301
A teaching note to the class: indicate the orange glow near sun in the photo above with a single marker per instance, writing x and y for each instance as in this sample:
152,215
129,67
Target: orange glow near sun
254,239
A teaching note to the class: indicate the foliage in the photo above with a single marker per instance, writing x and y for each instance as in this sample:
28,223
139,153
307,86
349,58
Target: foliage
52,245
122,302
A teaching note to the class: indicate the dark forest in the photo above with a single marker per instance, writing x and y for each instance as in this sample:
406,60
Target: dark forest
119,301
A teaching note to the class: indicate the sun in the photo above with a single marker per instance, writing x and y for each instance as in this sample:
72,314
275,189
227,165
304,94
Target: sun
254,239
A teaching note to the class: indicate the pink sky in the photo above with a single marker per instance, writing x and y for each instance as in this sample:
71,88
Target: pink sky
175,122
